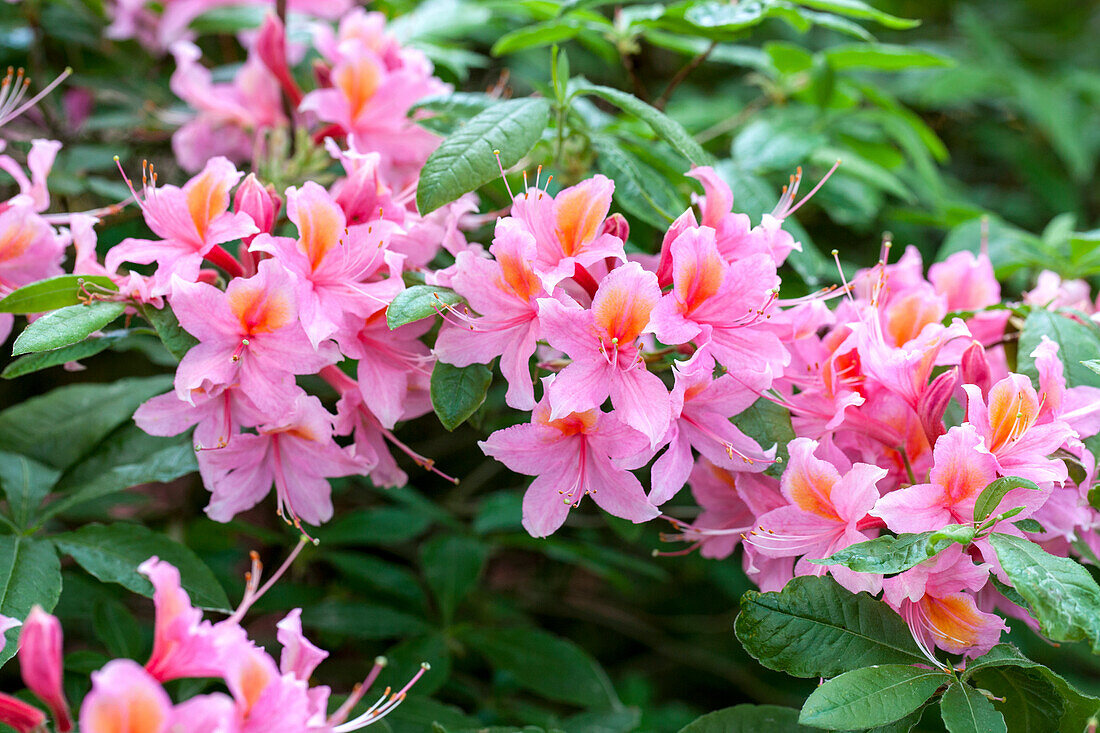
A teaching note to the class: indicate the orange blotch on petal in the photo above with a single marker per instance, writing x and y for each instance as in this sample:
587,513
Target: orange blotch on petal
696,279
578,212
1013,407
812,490
358,79
953,621
621,311
260,310
906,317
207,199
320,225
518,275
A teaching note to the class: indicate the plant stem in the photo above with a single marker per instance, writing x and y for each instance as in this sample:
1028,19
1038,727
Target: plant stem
682,74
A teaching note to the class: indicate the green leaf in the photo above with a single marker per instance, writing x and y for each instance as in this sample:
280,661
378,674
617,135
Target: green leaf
56,357
457,392
965,710
529,653
66,326
1093,364
992,495
452,565
499,510
763,145
382,526
30,574
378,575
816,628
862,11
870,696
882,57
128,457
172,334
43,427
359,620
25,483
418,302
769,425
748,719
465,160
666,128
116,628
54,293
534,36
639,189
1029,702
887,555
113,552
1061,594
1077,343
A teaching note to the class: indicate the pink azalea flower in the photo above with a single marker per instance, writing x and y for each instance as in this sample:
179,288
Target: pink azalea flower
249,336
184,645
191,222
602,342
568,229
296,453
930,598
300,657
30,250
124,697
572,456
963,467
331,262
970,285
217,415
823,515
39,161
1078,407
20,716
720,307
504,291
1007,420
267,701
41,665
702,407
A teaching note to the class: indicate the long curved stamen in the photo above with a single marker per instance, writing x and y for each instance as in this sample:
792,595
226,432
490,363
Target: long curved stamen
813,190
12,92
383,706
253,590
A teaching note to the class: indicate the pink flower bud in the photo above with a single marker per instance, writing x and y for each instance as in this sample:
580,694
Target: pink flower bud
975,367
933,402
664,266
19,715
271,47
258,201
616,225
40,662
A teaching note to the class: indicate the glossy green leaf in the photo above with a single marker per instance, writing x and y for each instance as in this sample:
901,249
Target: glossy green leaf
1029,702
172,334
861,11
528,653
419,302
816,628
769,425
56,292
965,710
457,392
535,36
26,483
666,128
640,190
42,427
887,555
465,160
56,357
113,552
1077,343
30,574
66,326
870,696
452,565
992,495
748,719
1061,594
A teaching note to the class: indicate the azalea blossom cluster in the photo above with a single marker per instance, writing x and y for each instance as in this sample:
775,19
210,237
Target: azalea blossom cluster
263,695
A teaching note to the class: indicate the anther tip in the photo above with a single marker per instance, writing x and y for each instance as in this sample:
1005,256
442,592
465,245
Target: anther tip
381,661
425,666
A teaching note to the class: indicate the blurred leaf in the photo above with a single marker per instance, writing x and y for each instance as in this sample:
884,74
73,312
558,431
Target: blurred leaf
1060,593
535,36
864,698
882,57
965,710
25,483
66,326
113,553
457,392
639,189
418,302
42,427
30,574
529,653
862,11
56,292
361,620
452,565
382,576
500,510
56,357
816,628
382,526
763,145
405,658
465,161
749,719
116,628
788,58
666,128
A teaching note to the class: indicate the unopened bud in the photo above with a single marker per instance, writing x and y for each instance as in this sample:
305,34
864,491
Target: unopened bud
19,715
616,225
258,201
40,663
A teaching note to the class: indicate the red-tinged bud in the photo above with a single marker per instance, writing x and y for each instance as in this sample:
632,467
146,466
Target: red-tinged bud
322,72
259,202
932,403
271,47
19,715
616,225
40,663
664,266
975,367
